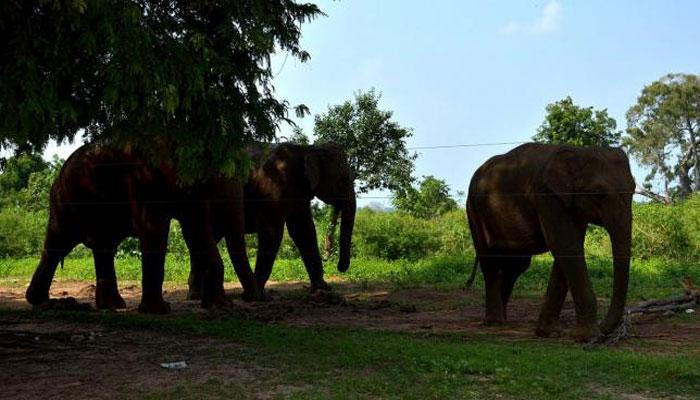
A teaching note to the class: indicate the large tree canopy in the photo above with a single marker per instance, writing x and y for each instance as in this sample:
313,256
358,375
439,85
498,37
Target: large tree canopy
375,144
567,123
664,132
194,74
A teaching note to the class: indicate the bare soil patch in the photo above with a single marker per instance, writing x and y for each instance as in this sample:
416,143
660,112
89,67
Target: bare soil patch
427,311
45,358
59,360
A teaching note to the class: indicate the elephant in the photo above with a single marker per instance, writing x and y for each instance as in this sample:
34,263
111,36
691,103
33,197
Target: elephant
538,198
279,190
104,194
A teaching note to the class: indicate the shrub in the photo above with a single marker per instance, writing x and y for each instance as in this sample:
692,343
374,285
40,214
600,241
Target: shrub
395,235
21,232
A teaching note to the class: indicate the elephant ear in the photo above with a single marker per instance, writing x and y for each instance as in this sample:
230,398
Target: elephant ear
312,169
561,174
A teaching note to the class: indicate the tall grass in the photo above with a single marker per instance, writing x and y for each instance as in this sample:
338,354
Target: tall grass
392,247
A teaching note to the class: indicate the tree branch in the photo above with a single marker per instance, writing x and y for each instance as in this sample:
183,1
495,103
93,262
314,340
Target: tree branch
654,196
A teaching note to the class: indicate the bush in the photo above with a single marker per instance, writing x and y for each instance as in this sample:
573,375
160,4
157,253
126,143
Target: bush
669,231
395,235
21,232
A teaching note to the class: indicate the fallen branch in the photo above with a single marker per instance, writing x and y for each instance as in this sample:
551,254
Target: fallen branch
664,308
689,301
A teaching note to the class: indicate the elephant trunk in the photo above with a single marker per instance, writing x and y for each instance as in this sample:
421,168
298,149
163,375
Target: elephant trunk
621,239
347,222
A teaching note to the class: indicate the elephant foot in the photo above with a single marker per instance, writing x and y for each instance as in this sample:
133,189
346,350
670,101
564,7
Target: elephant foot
107,296
218,300
321,285
551,329
194,294
607,327
159,306
36,296
256,295
586,333
494,321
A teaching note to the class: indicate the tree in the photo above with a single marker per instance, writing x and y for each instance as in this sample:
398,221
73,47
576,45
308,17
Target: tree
663,130
376,145
187,81
36,195
431,199
15,171
26,181
298,136
567,123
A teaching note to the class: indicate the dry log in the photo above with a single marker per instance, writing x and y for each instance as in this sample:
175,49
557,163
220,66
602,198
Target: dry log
672,300
675,306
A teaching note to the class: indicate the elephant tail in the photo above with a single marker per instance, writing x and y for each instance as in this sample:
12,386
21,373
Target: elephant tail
470,281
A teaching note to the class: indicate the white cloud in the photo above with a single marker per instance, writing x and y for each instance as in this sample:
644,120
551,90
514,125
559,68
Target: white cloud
547,22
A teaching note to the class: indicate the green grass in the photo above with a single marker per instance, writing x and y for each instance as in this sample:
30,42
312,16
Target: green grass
649,278
343,363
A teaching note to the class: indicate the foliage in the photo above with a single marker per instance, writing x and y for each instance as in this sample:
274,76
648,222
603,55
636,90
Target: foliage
26,181
393,236
664,131
567,123
190,80
15,171
21,232
376,145
298,136
673,231
431,199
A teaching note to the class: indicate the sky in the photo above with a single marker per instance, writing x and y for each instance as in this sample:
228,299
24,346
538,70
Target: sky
472,72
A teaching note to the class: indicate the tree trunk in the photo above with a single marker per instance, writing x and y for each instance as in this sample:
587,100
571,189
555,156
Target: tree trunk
685,183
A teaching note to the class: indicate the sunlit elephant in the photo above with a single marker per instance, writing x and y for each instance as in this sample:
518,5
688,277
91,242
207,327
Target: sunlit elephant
104,194
538,198
281,185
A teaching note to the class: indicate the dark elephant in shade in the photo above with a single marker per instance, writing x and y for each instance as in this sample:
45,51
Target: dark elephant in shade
284,179
104,194
538,198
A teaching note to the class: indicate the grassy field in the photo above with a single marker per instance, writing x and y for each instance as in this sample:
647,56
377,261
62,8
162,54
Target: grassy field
655,277
323,362
343,363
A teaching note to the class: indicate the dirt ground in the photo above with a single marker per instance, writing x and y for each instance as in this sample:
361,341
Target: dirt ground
130,360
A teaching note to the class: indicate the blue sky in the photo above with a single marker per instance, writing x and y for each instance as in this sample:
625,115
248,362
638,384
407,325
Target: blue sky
459,71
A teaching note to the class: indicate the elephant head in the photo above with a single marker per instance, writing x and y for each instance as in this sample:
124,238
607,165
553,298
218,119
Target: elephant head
596,185
330,178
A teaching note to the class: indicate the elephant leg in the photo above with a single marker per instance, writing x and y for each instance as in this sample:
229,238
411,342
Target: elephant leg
302,230
235,244
510,272
548,322
195,279
492,283
564,237
204,254
107,292
269,240
154,242
57,245
585,301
